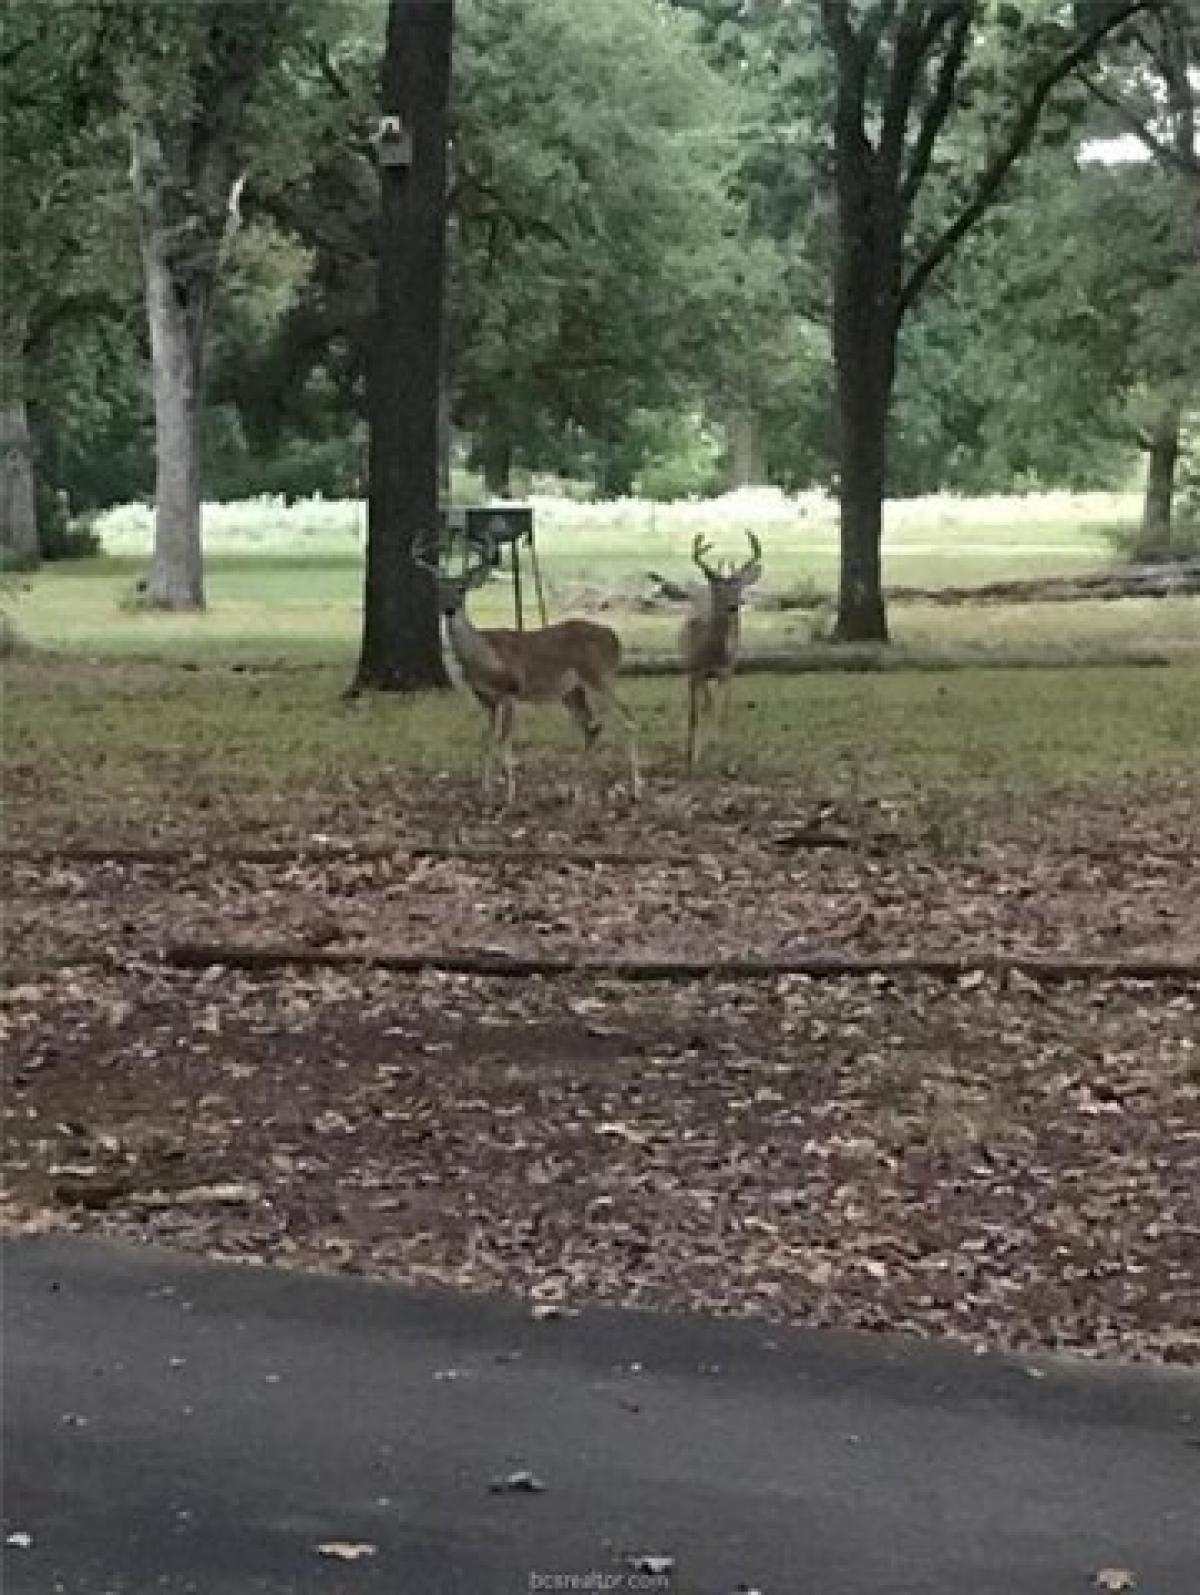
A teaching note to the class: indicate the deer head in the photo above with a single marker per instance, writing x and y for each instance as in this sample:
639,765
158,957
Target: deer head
727,583
452,590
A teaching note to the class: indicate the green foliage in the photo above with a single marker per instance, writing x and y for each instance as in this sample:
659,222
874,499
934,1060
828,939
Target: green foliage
591,216
295,466
1189,482
90,413
60,534
66,236
641,232
681,459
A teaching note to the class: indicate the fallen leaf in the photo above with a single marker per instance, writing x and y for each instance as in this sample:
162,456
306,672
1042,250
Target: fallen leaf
520,1483
641,1562
346,1550
1114,1579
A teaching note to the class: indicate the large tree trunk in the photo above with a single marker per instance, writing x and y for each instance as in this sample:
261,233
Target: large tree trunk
866,320
401,642
1155,532
445,441
176,315
18,510
184,179
861,614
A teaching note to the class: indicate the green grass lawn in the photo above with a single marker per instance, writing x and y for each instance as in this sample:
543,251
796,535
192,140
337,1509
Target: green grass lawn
109,730
288,581
102,705
283,607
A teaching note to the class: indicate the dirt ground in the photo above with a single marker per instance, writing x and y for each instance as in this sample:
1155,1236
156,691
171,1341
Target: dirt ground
1006,1160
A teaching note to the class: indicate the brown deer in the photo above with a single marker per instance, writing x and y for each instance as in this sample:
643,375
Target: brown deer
573,662
711,636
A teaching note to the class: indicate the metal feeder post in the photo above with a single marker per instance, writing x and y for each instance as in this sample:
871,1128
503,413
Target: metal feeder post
490,528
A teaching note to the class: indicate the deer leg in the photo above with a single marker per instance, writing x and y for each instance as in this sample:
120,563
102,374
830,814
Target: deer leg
575,701
489,747
505,721
699,708
724,694
613,703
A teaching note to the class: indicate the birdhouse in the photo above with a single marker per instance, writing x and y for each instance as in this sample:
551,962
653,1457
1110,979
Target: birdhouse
394,142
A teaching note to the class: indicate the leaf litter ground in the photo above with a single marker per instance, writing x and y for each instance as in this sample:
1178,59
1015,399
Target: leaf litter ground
1010,1163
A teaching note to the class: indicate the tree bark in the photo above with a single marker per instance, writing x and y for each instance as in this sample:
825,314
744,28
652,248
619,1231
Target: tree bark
176,312
866,324
861,612
401,643
863,394
1155,532
18,509
445,442
186,186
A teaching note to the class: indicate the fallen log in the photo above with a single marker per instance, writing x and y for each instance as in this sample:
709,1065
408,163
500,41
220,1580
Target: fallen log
1171,579
325,852
1036,967
880,659
335,853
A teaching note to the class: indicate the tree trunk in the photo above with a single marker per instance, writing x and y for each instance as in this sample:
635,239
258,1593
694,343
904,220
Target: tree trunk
495,457
861,615
865,329
401,642
445,405
176,315
185,181
179,266
18,511
1154,534
747,453
445,441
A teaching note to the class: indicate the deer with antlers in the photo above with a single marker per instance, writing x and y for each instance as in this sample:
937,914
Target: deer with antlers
711,636
573,662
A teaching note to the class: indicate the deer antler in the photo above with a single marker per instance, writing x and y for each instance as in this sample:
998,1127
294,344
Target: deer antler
752,569
699,549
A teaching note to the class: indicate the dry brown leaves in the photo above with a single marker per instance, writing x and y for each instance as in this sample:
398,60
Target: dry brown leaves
1008,1165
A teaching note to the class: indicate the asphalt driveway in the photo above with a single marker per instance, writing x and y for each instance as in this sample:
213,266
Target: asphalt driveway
177,1426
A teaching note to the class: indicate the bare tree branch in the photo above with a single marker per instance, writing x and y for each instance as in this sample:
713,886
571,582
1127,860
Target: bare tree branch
907,59
499,208
875,25
1019,139
937,110
835,17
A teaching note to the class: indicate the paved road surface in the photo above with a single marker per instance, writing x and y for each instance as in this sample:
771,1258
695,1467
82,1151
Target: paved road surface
174,1426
